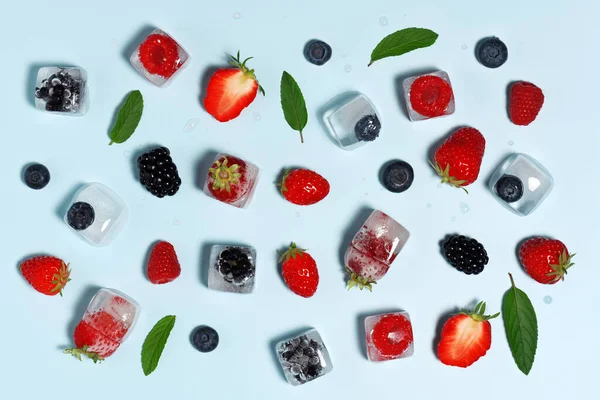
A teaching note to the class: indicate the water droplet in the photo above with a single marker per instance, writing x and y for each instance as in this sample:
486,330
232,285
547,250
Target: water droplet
439,185
237,15
366,194
464,47
191,124
297,215
126,153
383,21
428,205
347,68
453,218
510,142
464,207
176,222
256,116
344,55
547,299
143,197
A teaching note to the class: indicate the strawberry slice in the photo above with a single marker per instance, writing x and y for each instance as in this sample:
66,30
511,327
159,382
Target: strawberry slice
230,90
466,337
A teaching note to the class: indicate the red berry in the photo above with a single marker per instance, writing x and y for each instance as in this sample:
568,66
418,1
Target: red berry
392,335
228,180
430,95
159,54
47,274
525,102
299,271
304,187
545,260
163,265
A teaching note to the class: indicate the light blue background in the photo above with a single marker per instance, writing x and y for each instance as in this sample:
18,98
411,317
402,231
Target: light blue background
552,44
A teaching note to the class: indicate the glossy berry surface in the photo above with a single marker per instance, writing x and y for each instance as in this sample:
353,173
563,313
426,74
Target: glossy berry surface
304,187
36,176
392,335
398,176
545,260
524,103
491,52
465,254
430,96
205,339
299,271
235,266
317,52
159,54
163,265
367,128
81,216
158,173
46,274
509,188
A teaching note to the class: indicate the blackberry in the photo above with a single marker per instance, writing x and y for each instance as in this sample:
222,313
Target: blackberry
491,52
367,128
302,359
205,339
36,176
317,52
465,254
61,92
509,188
158,172
81,215
236,266
398,176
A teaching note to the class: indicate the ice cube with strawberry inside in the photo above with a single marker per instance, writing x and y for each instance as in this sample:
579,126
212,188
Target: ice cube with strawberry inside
389,336
231,180
428,96
159,58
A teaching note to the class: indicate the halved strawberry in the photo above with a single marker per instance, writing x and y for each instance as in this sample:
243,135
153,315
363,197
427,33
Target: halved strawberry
230,90
466,337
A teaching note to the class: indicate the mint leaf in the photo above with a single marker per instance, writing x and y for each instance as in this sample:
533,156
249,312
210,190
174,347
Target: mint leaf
128,118
521,327
293,105
403,41
155,343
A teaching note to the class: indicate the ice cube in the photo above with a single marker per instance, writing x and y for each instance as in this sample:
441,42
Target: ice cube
109,214
380,238
159,58
429,95
389,336
304,357
521,184
353,121
232,268
231,180
112,313
62,90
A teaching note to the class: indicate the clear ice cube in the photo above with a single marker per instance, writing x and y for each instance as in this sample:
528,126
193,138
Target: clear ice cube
227,271
110,214
389,340
222,175
62,90
163,57
112,313
342,118
535,178
407,84
303,358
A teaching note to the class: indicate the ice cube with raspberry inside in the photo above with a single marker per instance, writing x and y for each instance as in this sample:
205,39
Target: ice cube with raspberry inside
159,58
304,357
62,90
232,268
428,96
389,336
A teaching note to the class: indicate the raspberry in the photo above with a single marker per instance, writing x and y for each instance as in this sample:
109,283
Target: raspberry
430,96
159,55
392,335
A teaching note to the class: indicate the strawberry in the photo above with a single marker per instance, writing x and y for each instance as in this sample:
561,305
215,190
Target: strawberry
466,337
525,102
304,187
163,265
92,343
299,271
47,274
364,269
228,179
230,90
545,260
458,160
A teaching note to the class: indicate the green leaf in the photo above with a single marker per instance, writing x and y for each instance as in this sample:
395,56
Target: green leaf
521,327
403,41
155,343
293,105
128,118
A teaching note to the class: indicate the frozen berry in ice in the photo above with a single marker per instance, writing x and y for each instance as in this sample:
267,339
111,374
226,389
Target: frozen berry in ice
465,254
159,54
392,335
37,176
509,188
317,52
81,215
398,176
205,339
491,52
430,96
367,128
158,172
235,265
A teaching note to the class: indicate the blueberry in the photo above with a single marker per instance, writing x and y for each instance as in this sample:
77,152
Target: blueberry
37,176
398,176
81,215
205,339
367,128
509,188
317,52
491,52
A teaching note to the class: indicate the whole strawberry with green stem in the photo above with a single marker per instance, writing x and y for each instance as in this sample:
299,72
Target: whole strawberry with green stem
458,160
47,274
303,187
299,271
545,260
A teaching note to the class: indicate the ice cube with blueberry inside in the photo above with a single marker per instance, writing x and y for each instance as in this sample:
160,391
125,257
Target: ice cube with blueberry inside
96,214
521,184
428,96
62,90
232,268
303,358
389,336
352,121
159,58
231,180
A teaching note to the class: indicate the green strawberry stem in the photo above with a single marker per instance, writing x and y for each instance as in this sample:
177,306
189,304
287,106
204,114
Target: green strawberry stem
560,270
479,313
446,178
359,281
77,353
224,175
60,279
236,62
292,252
